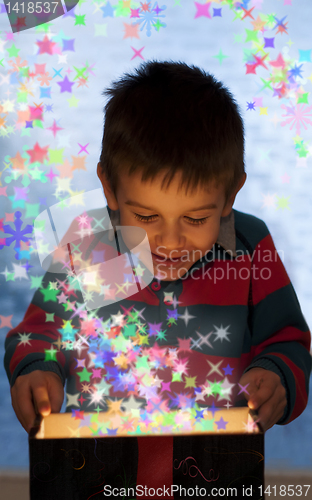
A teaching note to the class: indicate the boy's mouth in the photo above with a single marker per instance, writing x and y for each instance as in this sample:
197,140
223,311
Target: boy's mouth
161,260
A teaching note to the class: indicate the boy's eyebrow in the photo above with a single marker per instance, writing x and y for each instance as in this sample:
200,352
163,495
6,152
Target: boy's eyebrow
210,206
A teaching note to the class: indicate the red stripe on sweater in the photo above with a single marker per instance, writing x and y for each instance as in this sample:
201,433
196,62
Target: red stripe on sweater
38,346
36,317
220,283
155,464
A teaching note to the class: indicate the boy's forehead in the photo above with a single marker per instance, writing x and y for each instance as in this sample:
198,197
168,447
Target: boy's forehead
135,186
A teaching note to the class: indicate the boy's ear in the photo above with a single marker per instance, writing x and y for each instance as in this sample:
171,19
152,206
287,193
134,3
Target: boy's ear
109,195
228,207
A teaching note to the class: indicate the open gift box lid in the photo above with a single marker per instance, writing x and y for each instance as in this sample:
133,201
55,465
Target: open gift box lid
135,423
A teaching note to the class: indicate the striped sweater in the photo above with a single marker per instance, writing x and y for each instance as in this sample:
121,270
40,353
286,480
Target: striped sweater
234,310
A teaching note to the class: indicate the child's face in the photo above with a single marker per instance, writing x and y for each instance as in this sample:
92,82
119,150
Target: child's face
180,228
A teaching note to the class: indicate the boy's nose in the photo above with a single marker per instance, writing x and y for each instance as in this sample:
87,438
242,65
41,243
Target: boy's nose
170,239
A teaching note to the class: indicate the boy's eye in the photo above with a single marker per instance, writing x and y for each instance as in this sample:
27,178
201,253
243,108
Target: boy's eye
149,218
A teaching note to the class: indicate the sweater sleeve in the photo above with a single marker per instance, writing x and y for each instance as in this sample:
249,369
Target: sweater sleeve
280,335
39,341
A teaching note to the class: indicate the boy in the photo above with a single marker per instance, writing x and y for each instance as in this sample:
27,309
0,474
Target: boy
172,163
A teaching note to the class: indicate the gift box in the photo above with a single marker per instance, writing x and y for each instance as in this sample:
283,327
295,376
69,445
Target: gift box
78,457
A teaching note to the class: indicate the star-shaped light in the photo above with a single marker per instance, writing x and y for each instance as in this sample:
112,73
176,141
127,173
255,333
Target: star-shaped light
221,333
186,316
72,399
24,338
214,368
221,424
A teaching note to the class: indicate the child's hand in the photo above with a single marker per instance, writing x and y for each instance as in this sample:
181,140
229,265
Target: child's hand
39,390
266,394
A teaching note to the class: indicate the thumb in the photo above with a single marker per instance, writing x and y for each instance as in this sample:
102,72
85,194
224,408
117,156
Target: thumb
41,401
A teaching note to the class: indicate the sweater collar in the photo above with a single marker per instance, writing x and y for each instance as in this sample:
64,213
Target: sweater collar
226,238
227,235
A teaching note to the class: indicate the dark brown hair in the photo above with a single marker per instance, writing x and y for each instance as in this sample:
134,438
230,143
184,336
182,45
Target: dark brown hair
168,115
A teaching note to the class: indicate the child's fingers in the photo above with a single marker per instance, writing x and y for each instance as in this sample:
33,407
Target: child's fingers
23,406
271,411
260,387
270,401
266,394
260,396
36,392
268,388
